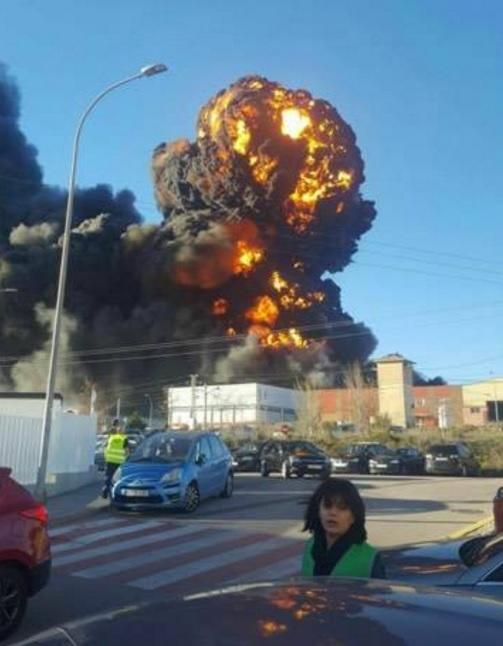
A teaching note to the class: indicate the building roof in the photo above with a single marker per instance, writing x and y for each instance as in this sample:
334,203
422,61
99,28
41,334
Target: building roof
394,357
10,395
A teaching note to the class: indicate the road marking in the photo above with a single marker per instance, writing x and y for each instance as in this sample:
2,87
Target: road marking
59,531
293,492
173,575
99,536
485,523
114,548
179,549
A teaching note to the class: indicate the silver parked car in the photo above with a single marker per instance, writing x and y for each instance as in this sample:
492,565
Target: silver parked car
475,564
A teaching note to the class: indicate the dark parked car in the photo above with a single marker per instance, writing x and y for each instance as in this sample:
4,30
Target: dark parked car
25,557
403,461
475,564
320,612
355,458
294,457
247,457
451,459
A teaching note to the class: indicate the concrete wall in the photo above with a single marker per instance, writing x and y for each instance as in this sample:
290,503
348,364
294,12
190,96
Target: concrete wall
71,450
436,404
348,405
479,399
396,398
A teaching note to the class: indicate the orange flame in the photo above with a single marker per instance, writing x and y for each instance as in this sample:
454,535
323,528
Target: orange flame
291,338
247,257
294,122
235,114
264,310
220,307
289,296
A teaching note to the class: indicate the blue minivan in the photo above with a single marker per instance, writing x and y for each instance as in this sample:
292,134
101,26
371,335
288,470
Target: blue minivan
174,469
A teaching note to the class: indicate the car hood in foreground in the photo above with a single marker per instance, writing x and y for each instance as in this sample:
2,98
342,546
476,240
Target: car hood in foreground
309,611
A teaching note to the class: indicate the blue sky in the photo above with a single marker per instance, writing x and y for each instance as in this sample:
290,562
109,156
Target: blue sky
420,82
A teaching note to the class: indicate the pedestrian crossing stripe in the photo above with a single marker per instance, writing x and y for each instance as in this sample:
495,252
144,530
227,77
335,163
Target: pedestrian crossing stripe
157,555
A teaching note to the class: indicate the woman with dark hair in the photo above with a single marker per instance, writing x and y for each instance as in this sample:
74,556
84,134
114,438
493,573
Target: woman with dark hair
335,517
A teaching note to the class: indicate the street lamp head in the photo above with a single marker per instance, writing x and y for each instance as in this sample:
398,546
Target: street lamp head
152,70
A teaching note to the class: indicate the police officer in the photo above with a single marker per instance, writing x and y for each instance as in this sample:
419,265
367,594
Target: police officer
115,453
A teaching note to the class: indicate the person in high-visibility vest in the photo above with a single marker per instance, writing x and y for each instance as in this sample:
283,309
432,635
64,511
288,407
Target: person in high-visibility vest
116,452
335,516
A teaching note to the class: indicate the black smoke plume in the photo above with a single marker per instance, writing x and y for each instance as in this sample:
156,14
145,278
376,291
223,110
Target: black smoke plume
253,214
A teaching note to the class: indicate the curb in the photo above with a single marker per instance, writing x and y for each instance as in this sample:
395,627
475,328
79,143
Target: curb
470,529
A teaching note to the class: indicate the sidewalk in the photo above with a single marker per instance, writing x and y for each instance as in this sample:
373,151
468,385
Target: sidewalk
82,502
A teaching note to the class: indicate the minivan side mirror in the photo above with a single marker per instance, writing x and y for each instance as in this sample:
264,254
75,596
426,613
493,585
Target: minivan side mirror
201,459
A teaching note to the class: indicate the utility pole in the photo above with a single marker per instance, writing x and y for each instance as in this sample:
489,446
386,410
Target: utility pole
193,384
150,410
118,408
205,406
168,408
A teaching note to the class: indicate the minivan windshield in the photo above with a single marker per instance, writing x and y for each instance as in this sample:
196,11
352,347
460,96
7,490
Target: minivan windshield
162,447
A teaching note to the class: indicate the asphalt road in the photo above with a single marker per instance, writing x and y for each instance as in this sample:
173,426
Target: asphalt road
111,559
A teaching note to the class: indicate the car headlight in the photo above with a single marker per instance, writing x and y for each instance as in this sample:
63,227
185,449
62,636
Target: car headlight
117,475
172,476
395,461
372,462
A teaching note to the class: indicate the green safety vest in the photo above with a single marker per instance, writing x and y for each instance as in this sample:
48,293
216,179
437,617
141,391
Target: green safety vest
115,452
356,562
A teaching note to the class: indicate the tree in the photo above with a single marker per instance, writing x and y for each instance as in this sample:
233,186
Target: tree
308,411
356,383
136,421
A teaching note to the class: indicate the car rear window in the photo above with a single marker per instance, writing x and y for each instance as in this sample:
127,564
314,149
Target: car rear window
444,449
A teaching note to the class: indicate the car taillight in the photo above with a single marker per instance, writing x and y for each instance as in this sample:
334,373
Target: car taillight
39,512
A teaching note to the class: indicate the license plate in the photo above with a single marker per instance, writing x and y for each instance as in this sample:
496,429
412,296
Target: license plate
135,493
441,459
315,466
382,466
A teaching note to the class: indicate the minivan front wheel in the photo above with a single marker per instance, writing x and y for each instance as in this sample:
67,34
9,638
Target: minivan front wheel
192,498
13,599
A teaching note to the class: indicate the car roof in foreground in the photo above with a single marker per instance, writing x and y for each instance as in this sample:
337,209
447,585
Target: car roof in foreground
319,611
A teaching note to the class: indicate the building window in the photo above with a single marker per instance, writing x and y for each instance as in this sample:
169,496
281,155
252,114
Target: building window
475,409
494,411
420,402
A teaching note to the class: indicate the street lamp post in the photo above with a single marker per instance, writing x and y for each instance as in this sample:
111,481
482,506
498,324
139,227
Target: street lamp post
151,410
40,492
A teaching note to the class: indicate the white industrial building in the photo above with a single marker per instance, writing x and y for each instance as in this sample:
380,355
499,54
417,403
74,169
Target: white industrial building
228,405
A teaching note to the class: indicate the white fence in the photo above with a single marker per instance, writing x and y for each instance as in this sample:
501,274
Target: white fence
71,449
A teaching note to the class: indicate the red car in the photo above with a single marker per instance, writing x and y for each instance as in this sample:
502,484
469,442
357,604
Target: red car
25,556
